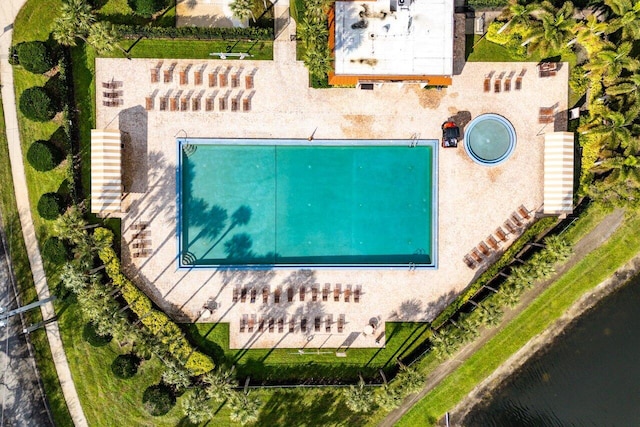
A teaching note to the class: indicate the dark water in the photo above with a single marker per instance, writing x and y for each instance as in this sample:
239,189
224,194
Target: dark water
589,377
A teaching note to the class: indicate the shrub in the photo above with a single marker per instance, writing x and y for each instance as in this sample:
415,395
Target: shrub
43,156
34,56
91,336
578,80
158,399
37,105
55,251
196,33
125,366
50,206
488,4
147,8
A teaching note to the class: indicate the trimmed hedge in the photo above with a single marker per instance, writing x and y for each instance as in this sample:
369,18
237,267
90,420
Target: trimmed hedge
43,156
195,33
55,251
488,4
125,366
37,105
156,322
35,57
493,270
147,8
158,399
50,206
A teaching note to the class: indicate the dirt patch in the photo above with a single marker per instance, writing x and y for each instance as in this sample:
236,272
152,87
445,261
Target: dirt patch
428,98
358,126
494,174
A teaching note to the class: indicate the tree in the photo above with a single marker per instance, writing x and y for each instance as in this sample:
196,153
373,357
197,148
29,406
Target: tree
627,18
317,58
242,9
176,376
555,29
37,105
612,61
443,344
517,14
71,226
614,129
103,37
628,87
34,56
359,398
75,21
50,206
220,384
73,279
195,406
560,248
411,380
490,314
44,156
589,34
509,295
244,409
147,8
388,397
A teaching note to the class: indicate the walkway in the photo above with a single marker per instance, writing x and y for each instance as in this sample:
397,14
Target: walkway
587,244
8,12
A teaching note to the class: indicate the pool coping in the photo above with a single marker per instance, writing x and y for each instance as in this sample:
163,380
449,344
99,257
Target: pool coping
510,129
434,144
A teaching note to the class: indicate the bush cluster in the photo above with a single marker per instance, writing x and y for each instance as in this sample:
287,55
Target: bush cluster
156,322
158,399
37,105
148,8
35,57
50,206
125,366
55,251
195,33
44,156
90,335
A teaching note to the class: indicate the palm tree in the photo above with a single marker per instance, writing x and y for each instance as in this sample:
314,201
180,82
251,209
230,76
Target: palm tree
509,295
621,169
176,376
71,226
73,278
518,15
612,61
490,314
388,398
614,129
359,398
195,406
242,9
411,380
555,29
244,409
220,384
75,21
318,60
589,34
443,344
560,248
627,18
628,87
312,32
316,10
611,195
103,37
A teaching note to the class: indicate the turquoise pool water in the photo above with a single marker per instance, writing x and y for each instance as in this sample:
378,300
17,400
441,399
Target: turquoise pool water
490,139
267,202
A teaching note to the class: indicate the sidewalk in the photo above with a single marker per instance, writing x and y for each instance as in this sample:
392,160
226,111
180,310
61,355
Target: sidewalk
588,243
8,12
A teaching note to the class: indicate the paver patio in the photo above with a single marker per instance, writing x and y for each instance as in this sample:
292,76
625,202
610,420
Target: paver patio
473,200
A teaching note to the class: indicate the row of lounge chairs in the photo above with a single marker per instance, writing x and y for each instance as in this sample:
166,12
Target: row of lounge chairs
111,96
218,77
493,243
240,102
141,241
251,323
242,294
502,83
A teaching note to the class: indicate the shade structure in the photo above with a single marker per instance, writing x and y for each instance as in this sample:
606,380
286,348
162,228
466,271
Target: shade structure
558,173
106,171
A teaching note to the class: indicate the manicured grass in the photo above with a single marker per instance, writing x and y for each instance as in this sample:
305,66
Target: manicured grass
287,365
480,49
119,12
193,49
107,400
553,302
35,19
24,281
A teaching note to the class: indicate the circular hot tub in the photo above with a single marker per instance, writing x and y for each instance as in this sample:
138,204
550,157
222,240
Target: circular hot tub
489,139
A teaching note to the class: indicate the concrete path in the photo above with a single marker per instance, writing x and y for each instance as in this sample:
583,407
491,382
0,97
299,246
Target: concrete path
588,243
8,11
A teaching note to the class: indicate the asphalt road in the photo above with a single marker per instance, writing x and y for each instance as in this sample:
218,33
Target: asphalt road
21,399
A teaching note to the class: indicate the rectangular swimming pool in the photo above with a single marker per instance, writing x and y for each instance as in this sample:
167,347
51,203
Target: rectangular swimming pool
343,203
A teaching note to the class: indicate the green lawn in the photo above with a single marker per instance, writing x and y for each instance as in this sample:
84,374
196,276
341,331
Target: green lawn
26,289
287,365
480,49
553,302
192,49
119,12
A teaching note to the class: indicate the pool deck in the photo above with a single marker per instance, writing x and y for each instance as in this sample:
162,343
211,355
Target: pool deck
473,200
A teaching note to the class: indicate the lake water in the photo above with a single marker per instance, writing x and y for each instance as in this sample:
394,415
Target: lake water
590,376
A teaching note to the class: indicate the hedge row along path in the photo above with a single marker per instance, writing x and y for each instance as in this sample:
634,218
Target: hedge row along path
8,11
588,243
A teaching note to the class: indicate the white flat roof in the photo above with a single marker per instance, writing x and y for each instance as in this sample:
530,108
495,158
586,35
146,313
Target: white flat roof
416,39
